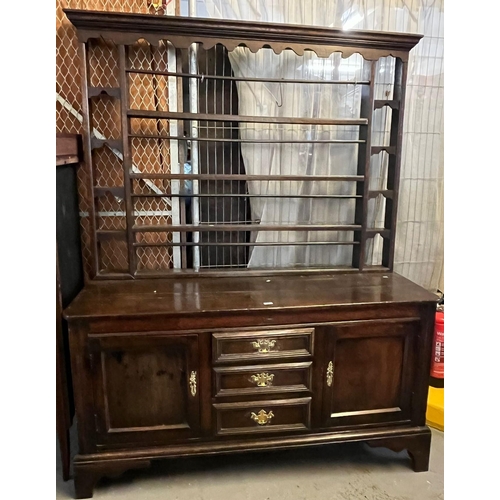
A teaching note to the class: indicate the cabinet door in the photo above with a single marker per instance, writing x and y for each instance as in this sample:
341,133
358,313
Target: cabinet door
146,387
368,372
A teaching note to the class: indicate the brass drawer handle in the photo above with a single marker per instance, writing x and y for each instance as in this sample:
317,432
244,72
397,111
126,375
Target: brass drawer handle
192,383
262,418
263,379
329,374
264,345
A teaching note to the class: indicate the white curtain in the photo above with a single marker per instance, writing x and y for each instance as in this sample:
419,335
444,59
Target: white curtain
419,242
277,158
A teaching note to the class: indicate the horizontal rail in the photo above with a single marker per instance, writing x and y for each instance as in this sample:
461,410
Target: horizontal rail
242,227
170,115
244,79
244,195
247,244
238,177
236,271
247,141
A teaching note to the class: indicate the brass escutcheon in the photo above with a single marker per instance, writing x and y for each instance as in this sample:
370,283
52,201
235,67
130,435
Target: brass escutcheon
262,418
329,374
192,383
263,379
264,345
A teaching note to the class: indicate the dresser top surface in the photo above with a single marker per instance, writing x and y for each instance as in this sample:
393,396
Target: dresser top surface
232,294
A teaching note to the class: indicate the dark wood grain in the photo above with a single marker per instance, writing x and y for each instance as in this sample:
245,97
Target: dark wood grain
417,445
372,370
138,113
127,156
283,416
257,380
255,359
87,155
180,30
142,388
69,281
68,149
394,166
88,473
262,345
203,296
363,169
63,411
135,343
237,177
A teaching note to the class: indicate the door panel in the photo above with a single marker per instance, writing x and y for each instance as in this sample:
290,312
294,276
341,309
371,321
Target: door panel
145,388
369,372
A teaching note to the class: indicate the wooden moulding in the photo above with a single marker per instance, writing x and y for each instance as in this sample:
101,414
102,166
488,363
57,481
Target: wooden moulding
68,149
125,28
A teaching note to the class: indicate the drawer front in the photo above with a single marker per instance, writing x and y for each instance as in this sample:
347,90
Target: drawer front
262,416
262,379
262,345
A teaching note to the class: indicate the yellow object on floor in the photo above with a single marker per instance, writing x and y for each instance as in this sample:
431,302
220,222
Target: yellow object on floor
435,408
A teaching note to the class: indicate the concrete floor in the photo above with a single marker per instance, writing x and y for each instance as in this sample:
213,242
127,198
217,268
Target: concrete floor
340,472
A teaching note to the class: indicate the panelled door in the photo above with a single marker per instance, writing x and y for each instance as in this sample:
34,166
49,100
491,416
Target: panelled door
146,387
368,371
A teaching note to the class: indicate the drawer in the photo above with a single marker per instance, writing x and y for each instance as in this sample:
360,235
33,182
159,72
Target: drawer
262,379
262,416
261,345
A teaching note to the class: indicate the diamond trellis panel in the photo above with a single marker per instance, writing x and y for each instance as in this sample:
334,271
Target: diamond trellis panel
150,186
108,170
103,64
110,213
153,237
106,118
149,211
145,126
151,155
107,167
154,259
152,211
148,92
113,256
143,55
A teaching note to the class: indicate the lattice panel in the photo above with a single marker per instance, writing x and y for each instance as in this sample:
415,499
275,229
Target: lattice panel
108,170
148,91
151,155
113,256
103,64
103,70
148,186
106,118
152,211
110,213
154,259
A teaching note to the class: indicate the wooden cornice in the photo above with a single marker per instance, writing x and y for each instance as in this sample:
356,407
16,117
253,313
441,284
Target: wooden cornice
125,28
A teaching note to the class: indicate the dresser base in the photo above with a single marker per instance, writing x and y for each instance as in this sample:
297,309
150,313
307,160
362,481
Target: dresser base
90,468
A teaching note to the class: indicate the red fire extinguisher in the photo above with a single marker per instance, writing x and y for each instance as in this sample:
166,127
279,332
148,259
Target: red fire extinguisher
437,362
